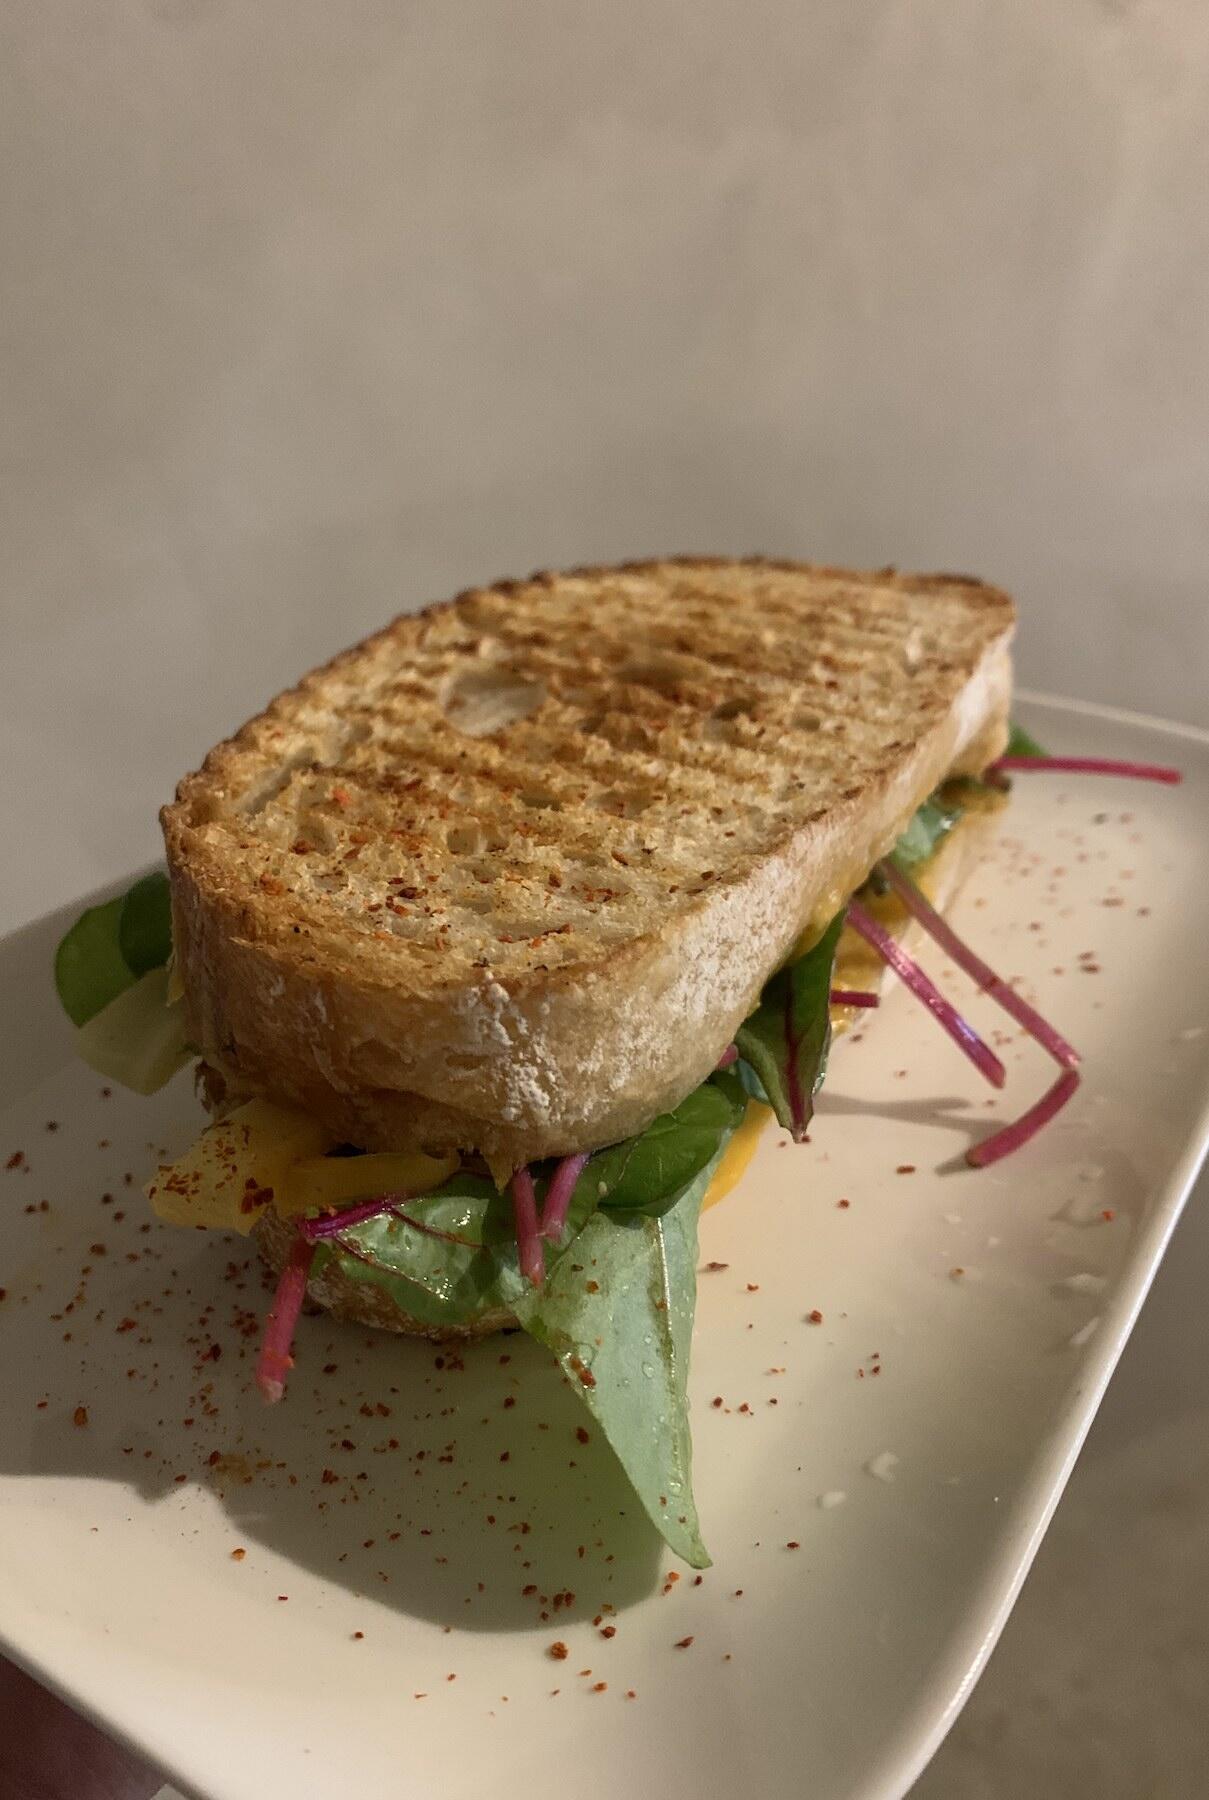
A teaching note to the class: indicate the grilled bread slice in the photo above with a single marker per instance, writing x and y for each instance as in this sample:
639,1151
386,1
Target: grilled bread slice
368,1303
507,876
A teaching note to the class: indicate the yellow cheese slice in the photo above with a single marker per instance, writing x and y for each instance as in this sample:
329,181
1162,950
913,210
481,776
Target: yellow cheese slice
237,1167
320,1181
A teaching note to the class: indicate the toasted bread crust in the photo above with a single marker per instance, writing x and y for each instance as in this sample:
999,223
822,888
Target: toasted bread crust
342,949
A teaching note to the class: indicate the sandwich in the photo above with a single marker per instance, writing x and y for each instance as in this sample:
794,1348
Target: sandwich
498,940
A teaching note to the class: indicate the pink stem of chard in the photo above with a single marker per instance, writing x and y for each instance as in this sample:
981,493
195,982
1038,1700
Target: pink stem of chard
275,1361
1085,765
853,997
994,985
728,1056
909,972
558,1195
528,1235
332,1224
1013,1136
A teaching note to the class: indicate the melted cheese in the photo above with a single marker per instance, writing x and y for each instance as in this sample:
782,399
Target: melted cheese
738,1153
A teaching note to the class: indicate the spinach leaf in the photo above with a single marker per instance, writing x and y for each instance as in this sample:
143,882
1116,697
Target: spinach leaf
617,1312
649,1173
1021,744
145,924
90,969
786,1040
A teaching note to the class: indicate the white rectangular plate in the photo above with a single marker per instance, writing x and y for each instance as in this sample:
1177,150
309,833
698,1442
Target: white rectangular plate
405,1520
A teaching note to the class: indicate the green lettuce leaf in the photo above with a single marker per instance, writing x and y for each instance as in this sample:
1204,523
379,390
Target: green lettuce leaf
786,1040
617,1312
139,1038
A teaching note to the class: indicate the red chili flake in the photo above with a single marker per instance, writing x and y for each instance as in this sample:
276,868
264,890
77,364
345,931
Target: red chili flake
558,1650
80,1416
745,1408
505,1456
673,1576
631,1694
582,1370
584,1436
683,1643
608,1631
357,1635
843,1204
905,1169
283,1596
793,1544
591,1287
451,1677
712,1268
814,1317
753,1287
717,1400
238,1555
956,1274
3,1293
530,1589
697,1580
16,1160
97,1250
1108,1214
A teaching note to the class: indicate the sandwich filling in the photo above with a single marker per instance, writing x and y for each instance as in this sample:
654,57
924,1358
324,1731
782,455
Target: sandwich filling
594,1255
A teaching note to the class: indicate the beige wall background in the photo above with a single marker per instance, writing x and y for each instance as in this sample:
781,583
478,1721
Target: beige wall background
309,313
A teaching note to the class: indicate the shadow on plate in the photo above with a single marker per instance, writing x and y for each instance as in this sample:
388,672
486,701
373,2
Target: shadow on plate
465,1485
